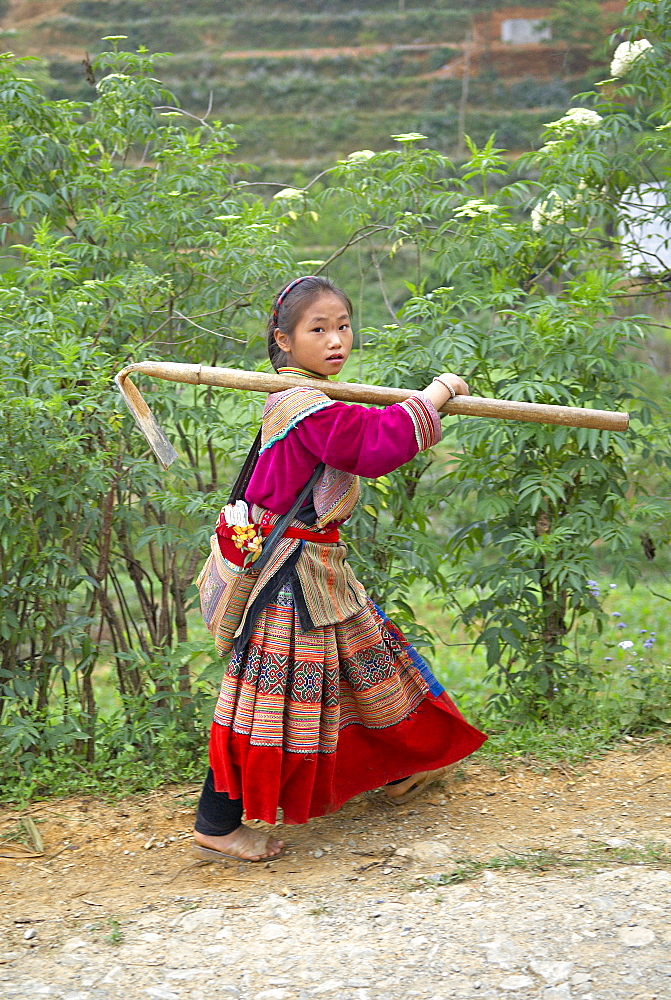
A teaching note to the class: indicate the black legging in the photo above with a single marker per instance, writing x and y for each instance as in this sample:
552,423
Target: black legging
218,814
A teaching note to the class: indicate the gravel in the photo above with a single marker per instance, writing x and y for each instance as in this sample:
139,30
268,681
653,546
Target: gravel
601,936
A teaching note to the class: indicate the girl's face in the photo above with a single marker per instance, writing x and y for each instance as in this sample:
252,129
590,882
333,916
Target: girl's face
322,339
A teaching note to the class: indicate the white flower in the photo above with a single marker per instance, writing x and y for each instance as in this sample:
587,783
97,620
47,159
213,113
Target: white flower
626,54
553,209
625,644
473,208
360,154
409,137
288,193
549,147
575,118
104,84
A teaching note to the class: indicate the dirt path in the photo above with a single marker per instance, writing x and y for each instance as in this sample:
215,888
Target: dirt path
117,908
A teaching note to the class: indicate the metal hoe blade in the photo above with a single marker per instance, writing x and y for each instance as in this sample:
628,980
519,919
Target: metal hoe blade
146,421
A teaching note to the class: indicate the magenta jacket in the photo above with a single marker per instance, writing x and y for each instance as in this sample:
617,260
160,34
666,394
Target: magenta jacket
349,437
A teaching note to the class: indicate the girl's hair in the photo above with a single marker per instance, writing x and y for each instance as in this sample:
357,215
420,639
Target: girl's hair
289,305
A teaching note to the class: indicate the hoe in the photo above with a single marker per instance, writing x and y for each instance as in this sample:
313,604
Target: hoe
350,392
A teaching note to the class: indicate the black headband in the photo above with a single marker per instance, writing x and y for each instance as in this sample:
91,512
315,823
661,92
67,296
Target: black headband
283,294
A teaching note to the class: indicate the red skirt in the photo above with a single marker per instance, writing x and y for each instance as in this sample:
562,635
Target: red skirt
307,720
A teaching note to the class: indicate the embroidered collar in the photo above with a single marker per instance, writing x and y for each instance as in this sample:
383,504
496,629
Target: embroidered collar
294,370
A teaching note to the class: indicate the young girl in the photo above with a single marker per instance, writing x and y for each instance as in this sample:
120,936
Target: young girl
323,697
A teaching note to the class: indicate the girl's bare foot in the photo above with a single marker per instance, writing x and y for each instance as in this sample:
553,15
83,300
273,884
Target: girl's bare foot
395,791
406,790
243,843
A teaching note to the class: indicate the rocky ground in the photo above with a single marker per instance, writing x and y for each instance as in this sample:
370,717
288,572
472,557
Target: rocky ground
568,895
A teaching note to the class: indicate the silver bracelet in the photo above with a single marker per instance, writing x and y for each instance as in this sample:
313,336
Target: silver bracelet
447,386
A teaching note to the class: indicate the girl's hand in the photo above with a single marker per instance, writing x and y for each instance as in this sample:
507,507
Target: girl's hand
439,393
456,381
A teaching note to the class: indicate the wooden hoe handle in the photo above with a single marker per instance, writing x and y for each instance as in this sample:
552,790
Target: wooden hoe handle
234,378
351,392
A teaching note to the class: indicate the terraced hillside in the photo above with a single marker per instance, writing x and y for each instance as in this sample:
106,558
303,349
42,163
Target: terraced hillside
309,79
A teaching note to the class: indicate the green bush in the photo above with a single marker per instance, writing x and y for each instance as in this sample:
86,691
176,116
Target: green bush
297,136
129,10
275,85
301,90
272,31
395,61
107,257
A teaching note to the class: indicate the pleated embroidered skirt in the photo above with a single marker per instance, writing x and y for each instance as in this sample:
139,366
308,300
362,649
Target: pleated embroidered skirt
307,720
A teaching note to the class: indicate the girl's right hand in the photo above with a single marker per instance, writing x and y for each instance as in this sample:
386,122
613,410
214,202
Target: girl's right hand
438,391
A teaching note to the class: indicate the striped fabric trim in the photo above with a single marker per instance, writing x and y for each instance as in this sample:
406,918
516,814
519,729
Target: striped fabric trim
425,418
331,591
336,495
286,409
393,700
224,592
293,370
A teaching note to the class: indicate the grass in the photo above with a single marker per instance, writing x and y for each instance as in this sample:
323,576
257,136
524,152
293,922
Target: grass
592,728
612,702
643,611
278,136
546,859
115,936
543,743
635,615
459,667
121,768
